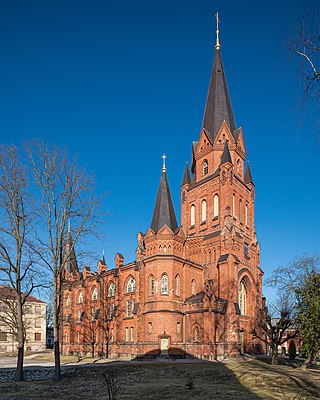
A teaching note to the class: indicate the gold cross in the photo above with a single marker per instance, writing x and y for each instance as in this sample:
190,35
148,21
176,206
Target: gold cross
217,32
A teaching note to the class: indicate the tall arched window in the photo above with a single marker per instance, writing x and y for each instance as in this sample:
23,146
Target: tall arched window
192,215
240,211
111,290
215,206
94,294
80,298
151,285
246,215
68,300
242,298
196,333
131,287
177,285
193,287
203,211
234,205
164,284
205,167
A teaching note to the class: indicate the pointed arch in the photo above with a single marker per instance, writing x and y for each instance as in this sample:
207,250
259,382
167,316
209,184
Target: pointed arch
192,215
203,211
94,295
80,297
215,206
111,289
131,285
164,284
205,168
242,297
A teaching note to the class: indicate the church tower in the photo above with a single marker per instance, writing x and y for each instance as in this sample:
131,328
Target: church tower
217,211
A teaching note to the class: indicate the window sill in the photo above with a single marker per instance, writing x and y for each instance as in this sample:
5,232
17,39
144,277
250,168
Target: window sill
126,318
192,227
215,218
203,223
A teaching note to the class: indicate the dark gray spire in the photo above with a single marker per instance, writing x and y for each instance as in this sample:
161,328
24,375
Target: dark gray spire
226,157
69,256
186,176
218,105
248,176
163,211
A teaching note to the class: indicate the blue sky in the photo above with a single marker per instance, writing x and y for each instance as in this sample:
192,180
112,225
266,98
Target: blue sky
119,83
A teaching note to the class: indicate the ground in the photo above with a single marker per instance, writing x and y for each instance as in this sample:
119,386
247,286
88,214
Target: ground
177,380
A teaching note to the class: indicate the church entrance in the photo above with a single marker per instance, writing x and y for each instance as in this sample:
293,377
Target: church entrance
164,346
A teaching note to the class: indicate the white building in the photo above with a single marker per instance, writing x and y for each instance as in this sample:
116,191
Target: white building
34,316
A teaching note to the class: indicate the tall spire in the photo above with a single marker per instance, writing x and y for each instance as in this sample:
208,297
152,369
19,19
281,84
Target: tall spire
248,175
69,258
218,106
163,213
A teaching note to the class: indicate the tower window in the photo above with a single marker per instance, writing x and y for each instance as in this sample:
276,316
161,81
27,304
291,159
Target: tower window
151,285
193,287
205,167
192,215
215,206
203,211
164,284
246,215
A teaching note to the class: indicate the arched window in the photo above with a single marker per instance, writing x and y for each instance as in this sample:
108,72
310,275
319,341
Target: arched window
68,300
151,285
246,215
131,287
196,333
215,206
192,215
242,298
234,205
203,211
240,210
205,167
164,248
193,287
164,284
94,294
80,298
177,285
111,290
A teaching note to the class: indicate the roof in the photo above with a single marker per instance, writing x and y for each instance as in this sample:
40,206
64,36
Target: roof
7,292
186,176
218,105
248,176
163,213
224,257
226,157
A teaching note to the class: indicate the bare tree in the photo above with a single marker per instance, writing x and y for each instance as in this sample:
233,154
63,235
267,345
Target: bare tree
273,326
305,48
16,229
67,193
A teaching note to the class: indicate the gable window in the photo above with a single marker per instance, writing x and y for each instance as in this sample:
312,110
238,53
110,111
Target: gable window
131,287
95,294
205,167
192,215
80,298
164,284
111,290
203,211
215,206
151,285
164,248
242,298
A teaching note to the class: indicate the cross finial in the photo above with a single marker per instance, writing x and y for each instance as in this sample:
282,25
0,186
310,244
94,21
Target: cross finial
164,163
217,46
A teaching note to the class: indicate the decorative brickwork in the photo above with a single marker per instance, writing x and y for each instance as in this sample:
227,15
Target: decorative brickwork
193,290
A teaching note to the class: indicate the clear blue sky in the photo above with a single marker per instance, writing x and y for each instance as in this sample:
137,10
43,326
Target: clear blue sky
121,82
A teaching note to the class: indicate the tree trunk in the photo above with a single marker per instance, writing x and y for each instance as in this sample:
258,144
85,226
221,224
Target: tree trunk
274,360
56,330
309,360
20,334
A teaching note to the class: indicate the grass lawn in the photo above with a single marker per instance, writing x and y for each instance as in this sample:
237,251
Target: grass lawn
172,380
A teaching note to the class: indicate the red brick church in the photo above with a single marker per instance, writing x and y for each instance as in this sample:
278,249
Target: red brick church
194,289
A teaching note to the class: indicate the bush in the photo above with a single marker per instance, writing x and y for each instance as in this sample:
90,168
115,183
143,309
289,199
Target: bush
292,350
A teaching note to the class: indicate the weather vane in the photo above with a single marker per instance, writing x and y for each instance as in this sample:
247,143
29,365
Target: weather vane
164,163
217,32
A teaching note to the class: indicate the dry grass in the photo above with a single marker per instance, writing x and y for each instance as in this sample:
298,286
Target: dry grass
165,381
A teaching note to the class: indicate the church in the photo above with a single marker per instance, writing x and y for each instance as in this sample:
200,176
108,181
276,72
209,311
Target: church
195,288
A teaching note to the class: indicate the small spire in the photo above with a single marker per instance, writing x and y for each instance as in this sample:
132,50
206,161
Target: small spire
164,163
226,157
217,46
186,176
